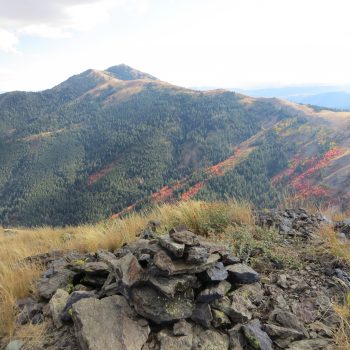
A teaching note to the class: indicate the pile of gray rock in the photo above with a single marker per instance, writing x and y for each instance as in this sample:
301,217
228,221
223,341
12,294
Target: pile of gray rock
176,291
290,222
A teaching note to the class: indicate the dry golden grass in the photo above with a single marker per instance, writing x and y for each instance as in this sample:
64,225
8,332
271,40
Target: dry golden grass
336,215
16,276
32,335
342,335
295,202
339,249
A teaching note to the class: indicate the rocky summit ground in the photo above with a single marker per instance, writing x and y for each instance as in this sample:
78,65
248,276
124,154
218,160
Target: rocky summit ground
178,290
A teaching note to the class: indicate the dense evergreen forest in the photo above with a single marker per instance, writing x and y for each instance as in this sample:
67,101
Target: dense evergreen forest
101,141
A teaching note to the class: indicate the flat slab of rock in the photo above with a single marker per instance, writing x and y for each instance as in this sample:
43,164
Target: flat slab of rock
105,256
178,267
170,342
153,305
215,273
196,255
287,319
214,292
181,267
185,237
169,286
312,344
211,339
92,268
108,324
47,286
177,249
242,274
281,332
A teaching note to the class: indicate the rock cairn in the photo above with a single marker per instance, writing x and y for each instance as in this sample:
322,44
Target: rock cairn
180,291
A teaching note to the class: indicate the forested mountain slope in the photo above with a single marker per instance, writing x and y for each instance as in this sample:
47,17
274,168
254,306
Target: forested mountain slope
104,140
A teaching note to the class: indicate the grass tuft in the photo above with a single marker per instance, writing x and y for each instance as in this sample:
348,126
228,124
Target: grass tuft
340,249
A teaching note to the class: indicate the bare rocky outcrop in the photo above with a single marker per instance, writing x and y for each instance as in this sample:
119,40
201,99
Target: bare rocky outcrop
179,291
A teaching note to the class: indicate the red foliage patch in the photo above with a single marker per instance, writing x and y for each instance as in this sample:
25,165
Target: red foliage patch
162,194
192,191
217,169
302,183
99,174
123,212
166,193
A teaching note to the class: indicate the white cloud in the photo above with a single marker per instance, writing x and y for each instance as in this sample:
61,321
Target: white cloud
58,18
8,41
232,43
44,31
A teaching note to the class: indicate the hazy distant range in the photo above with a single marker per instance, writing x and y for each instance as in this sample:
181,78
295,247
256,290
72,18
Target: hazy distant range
337,97
324,96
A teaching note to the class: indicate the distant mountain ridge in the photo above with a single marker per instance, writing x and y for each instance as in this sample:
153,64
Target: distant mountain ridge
103,141
335,97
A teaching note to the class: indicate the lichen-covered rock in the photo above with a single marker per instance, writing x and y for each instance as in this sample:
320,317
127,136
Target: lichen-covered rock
177,249
167,341
210,339
153,305
220,319
196,255
66,314
169,286
185,237
108,324
238,310
253,292
255,336
57,304
47,285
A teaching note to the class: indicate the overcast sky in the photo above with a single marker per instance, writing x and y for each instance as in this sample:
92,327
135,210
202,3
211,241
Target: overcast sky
228,43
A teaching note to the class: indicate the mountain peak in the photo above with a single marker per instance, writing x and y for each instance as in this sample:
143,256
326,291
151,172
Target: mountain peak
124,72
